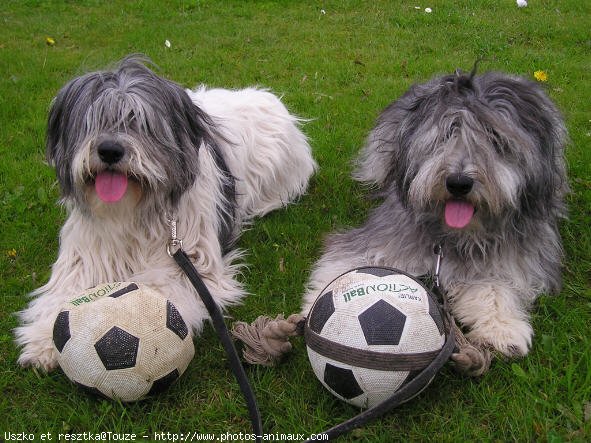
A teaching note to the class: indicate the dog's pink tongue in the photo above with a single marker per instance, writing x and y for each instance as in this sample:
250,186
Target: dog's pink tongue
458,213
110,186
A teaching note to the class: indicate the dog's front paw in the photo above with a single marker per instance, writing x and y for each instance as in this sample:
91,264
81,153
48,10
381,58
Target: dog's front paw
511,338
39,356
37,348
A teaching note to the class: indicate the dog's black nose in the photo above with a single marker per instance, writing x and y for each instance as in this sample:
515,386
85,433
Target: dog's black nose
110,152
459,185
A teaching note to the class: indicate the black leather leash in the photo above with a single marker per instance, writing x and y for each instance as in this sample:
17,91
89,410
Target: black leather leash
405,393
217,320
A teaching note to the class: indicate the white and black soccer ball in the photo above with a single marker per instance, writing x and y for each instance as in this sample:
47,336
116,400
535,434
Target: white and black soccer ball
122,340
370,332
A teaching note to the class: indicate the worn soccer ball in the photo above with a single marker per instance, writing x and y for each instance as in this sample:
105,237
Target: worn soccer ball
370,332
122,340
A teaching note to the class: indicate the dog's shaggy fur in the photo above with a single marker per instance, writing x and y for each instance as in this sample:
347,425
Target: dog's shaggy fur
131,148
475,164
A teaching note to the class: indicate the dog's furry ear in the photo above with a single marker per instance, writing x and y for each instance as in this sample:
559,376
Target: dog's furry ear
527,104
387,144
64,125
541,128
54,122
192,128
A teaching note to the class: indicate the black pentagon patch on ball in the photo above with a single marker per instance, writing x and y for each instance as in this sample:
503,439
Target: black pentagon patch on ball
342,381
163,383
382,324
435,314
117,349
61,330
321,312
175,322
126,290
377,272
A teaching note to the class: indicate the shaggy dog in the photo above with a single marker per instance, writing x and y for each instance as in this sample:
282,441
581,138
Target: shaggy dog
131,150
473,164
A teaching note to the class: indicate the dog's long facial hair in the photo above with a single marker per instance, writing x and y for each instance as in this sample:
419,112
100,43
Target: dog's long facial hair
126,130
473,163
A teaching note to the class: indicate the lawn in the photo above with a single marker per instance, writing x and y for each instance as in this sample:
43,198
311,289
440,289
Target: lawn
338,64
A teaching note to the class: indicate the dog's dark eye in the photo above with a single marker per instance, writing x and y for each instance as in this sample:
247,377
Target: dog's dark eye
132,121
498,146
498,142
449,133
132,118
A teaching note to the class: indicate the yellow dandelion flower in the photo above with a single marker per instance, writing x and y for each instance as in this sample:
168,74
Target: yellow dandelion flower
49,41
541,76
11,253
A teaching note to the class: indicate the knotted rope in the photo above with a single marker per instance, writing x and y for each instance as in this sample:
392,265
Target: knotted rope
266,340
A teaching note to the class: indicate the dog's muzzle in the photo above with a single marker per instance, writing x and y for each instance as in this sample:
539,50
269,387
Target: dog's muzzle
110,152
459,185
458,210
109,184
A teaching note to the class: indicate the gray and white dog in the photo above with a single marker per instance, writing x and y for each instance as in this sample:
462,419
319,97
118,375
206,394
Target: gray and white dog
131,150
474,164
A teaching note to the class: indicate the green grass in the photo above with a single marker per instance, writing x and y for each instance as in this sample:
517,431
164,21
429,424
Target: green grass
339,69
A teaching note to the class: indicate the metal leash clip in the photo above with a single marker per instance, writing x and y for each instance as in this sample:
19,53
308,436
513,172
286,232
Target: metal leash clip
174,243
437,250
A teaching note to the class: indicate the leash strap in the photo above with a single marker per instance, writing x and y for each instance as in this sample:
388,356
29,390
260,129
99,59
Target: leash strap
217,319
406,392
